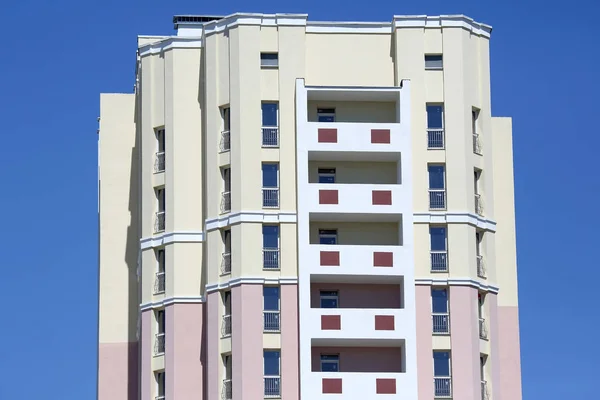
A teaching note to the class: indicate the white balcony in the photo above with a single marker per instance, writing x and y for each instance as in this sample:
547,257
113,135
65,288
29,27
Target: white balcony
226,392
478,204
439,261
159,282
226,263
440,323
225,202
159,222
360,137
272,386
485,395
477,146
357,385
159,161
159,344
357,198
483,329
270,197
435,139
271,258
442,387
226,326
481,272
225,142
437,199
271,321
270,136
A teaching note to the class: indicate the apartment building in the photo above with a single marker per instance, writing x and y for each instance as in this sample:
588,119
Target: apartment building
308,210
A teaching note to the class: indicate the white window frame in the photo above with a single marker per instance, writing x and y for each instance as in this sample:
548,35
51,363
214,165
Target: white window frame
328,235
327,174
160,322
160,383
326,112
160,139
226,118
329,297
337,362
449,363
160,261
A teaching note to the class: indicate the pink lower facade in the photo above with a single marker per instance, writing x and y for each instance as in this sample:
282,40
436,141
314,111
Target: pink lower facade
118,371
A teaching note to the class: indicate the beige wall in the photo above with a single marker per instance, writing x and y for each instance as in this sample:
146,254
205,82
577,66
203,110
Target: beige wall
355,111
385,173
359,233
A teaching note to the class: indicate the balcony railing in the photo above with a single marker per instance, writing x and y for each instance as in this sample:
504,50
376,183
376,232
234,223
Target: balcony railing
441,323
439,261
159,344
435,138
271,321
159,282
477,148
226,263
270,136
484,391
159,222
226,394
159,161
225,143
225,202
270,197
481,267
226,325
160,397
270,258
272,386
437,199
442,387
483,330
478,204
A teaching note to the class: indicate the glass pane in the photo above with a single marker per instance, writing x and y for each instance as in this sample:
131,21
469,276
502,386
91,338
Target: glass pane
436,176
327,240
326,118
269,114
441,363
326,178
435,117
329,302
329,366
271,362
438,238
269,59
271,298
271,236
434,61
439,300
270,174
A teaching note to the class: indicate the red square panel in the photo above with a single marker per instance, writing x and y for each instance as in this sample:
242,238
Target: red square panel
331,322
382,197
384,323
327,135
328,197
386,386
330,258
383,259
380,136
332,385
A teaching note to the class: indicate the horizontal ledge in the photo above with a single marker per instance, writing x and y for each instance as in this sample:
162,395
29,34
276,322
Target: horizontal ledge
456,282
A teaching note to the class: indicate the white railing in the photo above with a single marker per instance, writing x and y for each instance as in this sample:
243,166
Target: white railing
437,199
439,261
159,282
270,136
481,267
477,144
159,344
478,204
159,161
484,391
159,221
435,138
161,397
272,386
483,330
441,323
226,394
270,258
442,387
226,325
225,202
226,263
225,143
270,197
271,321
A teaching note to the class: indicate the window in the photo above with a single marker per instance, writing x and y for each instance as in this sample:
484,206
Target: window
160,321
160,138
160,258
330,362
160,197
159,222
159,344
439,308
439,247
227,240
475,128
478,237
435,126
326,114
434,61
226,195
270,182
271,302
226,173
269,60
478,199
160,385
329,298
270,246
442,374
226,323
226,260
226,114
326,175
272,373
437,187
327,236
227,302
270,115
159,284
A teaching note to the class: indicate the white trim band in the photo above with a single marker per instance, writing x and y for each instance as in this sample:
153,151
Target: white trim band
443,217
442,21
170,43
172,300
250,216
456,282
238,19
349,27
171,237
251,281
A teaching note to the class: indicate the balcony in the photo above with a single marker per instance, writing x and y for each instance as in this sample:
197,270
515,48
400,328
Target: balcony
272,386
435,139
478,204
481,272
359,385
271,321
477,146
159,282
159,162
377,140
270,136
357,198
484,391
226,325
159,344
442,387
441,323
226,392
270,197
271,258
225,263
437,199
439,261
225,202
483,329
225,142
159,222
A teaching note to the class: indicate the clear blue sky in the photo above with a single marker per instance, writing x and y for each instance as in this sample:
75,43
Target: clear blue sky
57,56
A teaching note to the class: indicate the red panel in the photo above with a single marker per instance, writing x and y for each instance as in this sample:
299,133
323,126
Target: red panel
330,258
380,136
328,135
386,386
383,259
331,322
384,323
328,197
331,385
382,197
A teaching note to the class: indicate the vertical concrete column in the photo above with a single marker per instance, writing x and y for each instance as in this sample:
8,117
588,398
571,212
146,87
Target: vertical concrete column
290,373
424,346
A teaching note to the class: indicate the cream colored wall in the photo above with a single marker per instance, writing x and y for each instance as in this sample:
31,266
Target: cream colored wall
118,227
356,172
355,111
359,233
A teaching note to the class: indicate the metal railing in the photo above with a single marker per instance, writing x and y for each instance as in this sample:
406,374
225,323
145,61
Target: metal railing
442,387
270,136
159,161
159,221
477,147
225,202
483,330
272,386
439,261
270,258
226,393
481,267
271,321
435,138
484,391
161,397
441,323
159,282
226,325
226,263
478,204
225,143
437,199
159,344
270,197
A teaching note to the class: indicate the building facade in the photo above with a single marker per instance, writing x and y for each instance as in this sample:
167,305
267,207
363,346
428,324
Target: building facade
305,210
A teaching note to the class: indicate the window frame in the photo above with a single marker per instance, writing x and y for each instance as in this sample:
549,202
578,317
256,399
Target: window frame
449,360
326,112
278,236
265,351
434,58
333,361
440,289
267,61
160,383
160,260
433,165
445,228
328,235
278,297
226,118
263,175
160,139
329,295
327,172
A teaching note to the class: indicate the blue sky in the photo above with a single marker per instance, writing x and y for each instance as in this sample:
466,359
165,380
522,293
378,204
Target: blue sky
59,55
